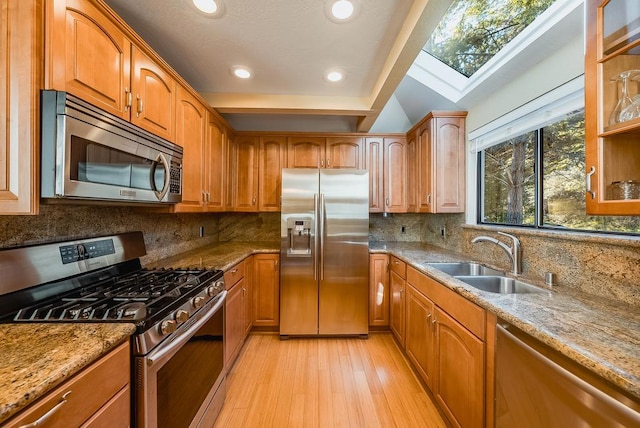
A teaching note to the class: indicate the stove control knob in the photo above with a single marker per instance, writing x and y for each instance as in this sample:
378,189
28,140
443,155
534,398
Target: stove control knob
212,290
198,302
182,315
168,326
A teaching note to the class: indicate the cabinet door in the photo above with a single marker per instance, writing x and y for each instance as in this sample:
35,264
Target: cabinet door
154,95
191,135
412,173
306,152
266,290
234,323
419,340
395,175
425,180
379,290
245,191
88,56
458,372
216,166
396,306
345,152
375,164
272,160
20,76
449,164
247,298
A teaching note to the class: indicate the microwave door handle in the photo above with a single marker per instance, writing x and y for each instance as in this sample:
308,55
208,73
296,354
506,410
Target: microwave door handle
161,159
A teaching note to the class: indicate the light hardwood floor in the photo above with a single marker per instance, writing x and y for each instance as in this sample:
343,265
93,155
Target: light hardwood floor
324,382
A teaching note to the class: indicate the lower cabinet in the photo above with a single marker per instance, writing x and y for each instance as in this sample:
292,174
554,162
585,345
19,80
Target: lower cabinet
235,312
397,306
266,291
379,290
445,341
98,396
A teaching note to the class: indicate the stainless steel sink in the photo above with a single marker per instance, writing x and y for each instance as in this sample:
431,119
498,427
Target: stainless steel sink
464,269
500,284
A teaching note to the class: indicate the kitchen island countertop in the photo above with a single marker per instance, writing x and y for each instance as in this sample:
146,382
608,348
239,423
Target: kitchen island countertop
36,357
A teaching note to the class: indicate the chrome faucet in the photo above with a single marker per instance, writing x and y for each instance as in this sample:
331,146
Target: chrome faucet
514,252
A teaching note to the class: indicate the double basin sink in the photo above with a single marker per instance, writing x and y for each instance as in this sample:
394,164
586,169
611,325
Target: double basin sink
485,278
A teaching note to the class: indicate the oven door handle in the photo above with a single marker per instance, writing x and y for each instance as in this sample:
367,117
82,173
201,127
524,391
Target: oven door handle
159,354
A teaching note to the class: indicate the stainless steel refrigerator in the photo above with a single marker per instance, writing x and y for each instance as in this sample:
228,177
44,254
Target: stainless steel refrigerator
324,271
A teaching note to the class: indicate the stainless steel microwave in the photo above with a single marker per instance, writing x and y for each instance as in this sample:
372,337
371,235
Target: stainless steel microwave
88,154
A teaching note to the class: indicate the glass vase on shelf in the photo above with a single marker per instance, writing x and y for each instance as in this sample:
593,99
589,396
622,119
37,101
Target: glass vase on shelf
624,101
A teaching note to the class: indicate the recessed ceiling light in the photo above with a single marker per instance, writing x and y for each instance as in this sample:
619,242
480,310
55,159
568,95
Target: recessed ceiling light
241,72
212,8
334,76
342,10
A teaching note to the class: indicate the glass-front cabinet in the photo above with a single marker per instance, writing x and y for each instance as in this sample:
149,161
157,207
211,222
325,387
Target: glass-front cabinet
612,107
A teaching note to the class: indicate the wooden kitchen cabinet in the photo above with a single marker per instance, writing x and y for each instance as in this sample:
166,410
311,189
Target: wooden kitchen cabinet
245,174
420,338
395,175
191,127
98,396
379,290
329,152
375,165
458,372
266,290
345,152
412,172
611,141
21,79
91,55
216,166
235,312
439,176
248,294
397,284
272,158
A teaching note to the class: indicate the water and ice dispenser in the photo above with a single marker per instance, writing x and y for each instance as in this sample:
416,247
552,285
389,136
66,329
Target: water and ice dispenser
299,231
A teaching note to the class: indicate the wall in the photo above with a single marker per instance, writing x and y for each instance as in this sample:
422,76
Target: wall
164,234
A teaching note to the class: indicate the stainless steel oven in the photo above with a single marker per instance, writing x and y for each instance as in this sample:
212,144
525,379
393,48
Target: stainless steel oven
181,382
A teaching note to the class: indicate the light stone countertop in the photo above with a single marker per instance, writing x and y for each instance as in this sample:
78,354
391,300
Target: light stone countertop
599,334
36,357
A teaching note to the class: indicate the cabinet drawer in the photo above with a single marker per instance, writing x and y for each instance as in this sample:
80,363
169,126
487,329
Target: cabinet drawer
85,393
115,414
399,267
233,275
467,313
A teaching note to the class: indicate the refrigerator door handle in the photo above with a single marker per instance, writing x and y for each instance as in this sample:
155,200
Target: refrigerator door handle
316,216
322,214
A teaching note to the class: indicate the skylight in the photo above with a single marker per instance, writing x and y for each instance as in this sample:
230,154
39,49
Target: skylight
473,31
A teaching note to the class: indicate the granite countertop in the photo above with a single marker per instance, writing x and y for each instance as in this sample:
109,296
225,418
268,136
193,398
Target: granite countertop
38,357
599,334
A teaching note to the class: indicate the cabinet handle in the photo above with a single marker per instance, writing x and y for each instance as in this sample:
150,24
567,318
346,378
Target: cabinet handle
50,413
402,291
428,317
208,197
434,322
234,270
128,99
387,201
588,182
428,198
321,163
328,165
140,105
253,201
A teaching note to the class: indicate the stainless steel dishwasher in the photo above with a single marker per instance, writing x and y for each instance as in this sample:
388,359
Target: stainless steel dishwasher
538,387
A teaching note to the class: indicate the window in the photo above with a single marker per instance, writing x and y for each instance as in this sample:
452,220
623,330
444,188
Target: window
537,179
473,31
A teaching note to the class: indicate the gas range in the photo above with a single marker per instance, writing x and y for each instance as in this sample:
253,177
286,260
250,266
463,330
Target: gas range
101,280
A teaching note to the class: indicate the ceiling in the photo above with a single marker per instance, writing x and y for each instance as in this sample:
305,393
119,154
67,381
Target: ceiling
289,45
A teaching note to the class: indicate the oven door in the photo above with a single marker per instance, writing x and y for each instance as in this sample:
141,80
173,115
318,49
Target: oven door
180,383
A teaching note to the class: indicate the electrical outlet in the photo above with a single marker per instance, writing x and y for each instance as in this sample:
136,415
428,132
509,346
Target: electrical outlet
403,229
443,232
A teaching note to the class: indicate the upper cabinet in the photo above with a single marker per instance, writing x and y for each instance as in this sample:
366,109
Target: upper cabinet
272,158
245,174
375,165
90,56
440,169
612,107
321,152
395,175
20,79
